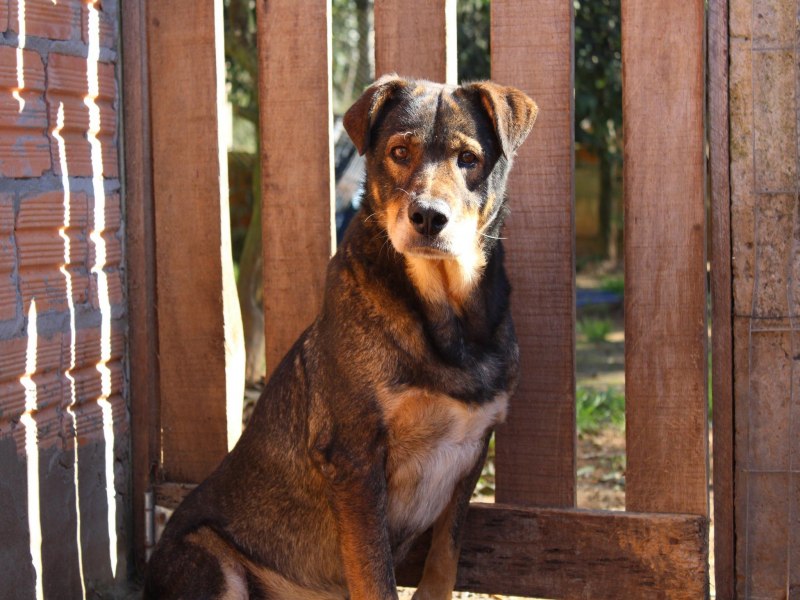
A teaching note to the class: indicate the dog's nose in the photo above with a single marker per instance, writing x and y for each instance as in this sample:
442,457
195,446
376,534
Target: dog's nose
429,217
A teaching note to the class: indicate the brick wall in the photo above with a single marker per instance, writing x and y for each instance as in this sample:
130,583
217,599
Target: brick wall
62,307
765,224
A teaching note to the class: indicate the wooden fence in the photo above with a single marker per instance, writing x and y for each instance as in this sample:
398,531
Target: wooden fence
533,541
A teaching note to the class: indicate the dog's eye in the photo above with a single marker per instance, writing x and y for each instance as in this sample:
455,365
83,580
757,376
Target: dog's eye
399,153
467,158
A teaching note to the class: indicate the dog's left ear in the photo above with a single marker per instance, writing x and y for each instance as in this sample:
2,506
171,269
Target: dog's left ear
359,118
511,111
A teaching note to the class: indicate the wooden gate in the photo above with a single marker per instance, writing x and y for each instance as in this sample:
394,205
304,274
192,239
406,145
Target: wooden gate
533,541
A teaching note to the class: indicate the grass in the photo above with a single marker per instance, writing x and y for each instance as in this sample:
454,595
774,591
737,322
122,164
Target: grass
613,283
595,330
598,408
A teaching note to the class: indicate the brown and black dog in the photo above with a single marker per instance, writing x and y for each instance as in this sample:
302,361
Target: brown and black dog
375,425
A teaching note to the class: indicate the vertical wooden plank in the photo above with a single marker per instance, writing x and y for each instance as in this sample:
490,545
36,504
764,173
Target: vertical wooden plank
141,275
665,268
721,299
416,38
532,50
187,167
297,165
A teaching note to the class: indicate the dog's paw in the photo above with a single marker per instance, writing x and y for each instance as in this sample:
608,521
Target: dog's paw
428,594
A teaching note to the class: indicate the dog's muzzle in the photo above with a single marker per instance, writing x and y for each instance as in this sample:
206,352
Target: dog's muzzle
428,216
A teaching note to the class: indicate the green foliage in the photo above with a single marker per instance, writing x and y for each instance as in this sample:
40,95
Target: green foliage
598,408
473,40
351,56
613,283
598,75
595,330
241,58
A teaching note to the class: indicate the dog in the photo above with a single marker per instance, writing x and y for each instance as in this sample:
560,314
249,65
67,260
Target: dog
375,426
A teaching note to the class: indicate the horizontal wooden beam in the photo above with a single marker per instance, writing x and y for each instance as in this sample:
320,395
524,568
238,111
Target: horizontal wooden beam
570,553
564,553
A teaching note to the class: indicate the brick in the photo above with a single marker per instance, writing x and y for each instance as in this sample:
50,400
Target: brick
45,18
116,294
46,211
24,147
88,382
90,419
13,356
43,249
8,296
67,85
49,288
113,250
107,27
113,211
8,287
87,345
3,15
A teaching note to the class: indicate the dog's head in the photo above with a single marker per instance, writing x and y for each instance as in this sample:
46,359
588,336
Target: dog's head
437,161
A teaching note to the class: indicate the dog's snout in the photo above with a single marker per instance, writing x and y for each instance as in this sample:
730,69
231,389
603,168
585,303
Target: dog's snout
429,217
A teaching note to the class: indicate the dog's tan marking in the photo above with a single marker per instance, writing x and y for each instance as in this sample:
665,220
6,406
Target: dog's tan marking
461,141
447,280
434,441
441,564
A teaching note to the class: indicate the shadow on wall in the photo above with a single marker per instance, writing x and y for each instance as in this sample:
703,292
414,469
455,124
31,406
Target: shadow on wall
63,419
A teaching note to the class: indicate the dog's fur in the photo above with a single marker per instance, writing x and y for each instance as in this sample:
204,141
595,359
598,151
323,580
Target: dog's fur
374,427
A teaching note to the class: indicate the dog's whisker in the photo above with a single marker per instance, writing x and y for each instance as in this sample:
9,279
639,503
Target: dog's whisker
491,237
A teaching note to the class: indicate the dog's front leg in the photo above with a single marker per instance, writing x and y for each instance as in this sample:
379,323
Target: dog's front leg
441,564
357,495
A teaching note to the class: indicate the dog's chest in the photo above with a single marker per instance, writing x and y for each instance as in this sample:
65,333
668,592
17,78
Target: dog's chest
434,441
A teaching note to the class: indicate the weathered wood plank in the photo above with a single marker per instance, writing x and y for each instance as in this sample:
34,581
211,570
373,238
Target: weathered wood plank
532,50
187,167
296,159
721,300
569,553
417,38
665,267
140,258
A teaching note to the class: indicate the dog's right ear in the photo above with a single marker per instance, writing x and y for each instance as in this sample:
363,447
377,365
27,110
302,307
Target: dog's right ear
359,118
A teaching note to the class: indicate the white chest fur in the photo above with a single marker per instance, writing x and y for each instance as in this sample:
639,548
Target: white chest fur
434,441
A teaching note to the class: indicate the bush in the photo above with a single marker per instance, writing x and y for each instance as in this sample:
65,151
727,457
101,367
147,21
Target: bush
598,408
595,330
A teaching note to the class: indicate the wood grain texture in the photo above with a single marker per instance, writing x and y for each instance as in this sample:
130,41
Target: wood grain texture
186,182
532,50
721,300
141,276
665,267
416,38
568,553
297,165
